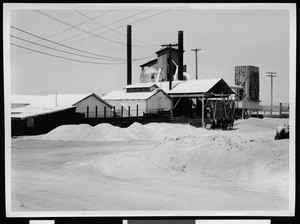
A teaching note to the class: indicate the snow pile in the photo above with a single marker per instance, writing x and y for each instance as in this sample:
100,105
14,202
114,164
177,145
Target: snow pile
85,132
253,124
256,161
108,132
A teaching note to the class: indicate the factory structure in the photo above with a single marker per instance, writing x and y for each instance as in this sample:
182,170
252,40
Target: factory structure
165,88
246,89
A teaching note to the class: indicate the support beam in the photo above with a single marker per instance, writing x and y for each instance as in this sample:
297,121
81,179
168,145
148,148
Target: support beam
129,57
203,124
169,46
180,55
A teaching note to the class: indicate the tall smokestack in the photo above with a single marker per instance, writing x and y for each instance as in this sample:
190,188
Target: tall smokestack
180,55
129,65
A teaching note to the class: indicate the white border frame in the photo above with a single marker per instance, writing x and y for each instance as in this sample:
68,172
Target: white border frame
7,7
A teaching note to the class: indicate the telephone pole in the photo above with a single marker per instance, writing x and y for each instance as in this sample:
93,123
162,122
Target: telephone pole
196,54
271,75
169,46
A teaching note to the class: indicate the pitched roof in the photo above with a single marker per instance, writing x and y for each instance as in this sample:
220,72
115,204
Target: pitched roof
51,104
141,85
194,86
24,112
164,50
122,95
61,100
152,62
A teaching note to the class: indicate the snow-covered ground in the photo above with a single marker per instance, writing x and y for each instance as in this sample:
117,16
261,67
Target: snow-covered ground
157,167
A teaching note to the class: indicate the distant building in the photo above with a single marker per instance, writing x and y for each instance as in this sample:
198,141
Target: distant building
150,69
138,99
18,100
51,111
91,105
246,90
248,77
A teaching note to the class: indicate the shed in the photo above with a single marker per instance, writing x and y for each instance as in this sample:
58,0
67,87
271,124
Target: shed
205,98
138,99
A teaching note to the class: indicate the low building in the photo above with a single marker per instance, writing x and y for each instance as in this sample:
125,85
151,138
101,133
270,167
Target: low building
204,98
51,111
139,99
18,100
91,105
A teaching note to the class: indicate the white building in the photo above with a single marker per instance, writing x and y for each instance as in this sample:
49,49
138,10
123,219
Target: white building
138,99
19,100
89,104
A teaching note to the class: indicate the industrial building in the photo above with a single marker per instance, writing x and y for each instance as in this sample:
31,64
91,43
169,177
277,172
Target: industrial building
160,66
138,99
246,90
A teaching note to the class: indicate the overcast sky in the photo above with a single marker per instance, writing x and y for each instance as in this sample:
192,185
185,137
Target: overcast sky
95,35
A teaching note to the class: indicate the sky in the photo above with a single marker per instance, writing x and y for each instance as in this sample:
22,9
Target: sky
88,45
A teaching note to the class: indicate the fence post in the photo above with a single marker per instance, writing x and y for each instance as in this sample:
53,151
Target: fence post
121,111
128,111
104,112
87,111
96,112
280,110
114,111
137,110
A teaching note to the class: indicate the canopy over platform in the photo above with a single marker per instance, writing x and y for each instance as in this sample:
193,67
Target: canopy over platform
210,88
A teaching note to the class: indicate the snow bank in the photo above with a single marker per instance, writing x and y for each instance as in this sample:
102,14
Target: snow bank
245,156
85,132
256,161
254,124
108,132
158,131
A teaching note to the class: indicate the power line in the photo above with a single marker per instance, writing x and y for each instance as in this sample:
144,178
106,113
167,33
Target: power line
71,59
115,30
82,30
75,26
63,44
136,59
60,50
101,28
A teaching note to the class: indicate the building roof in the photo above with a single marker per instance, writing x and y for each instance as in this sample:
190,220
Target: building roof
122,95
25,112
217,86
164,50
141,85
61,100
149,63
51,104
23,99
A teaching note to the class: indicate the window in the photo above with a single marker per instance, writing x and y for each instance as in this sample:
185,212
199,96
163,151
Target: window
30,122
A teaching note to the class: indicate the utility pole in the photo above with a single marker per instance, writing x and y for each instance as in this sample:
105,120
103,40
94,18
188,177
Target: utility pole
196,54
271,75
169,46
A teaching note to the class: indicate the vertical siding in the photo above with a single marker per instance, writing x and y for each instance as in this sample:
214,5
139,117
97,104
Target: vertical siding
92,102
132,103
157,102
